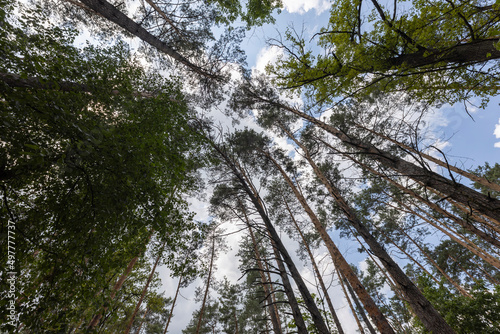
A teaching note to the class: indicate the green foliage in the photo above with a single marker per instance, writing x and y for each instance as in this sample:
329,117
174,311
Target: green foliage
86,172
479,314
409,45
490,173
253,12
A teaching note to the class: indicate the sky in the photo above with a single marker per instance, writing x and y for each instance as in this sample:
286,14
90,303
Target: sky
468,141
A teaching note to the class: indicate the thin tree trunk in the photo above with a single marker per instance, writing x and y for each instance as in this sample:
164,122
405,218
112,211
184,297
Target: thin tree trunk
430,204
142,321
470,176
95,320
316,270
200,318
359,307
173,304
292,301
145,289
346,294
467,53
272,307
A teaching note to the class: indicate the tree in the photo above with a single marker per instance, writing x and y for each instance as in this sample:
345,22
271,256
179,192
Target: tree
78,178
437,52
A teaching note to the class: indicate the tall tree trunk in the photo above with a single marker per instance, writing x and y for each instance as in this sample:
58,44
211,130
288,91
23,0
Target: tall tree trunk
272,307
173,304
255,199
467,53
138,331
358,306
145,289
292,301
431,319
466,225
316,270
95,320
481,180
485,205
205,295
111,13
346,294
339,261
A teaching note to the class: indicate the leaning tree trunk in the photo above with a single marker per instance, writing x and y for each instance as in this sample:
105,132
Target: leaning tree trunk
200,318
292,301
95,320
173,304
145,289
358,306
466,225
272,307
113,14
483,204
481,180
316,271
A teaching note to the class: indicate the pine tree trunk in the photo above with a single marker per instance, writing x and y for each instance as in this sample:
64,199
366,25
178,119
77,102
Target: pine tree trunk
173,304
431,319
200,318
353,310
138,331
111,13
485,205
359,307
95,320
292,301
272,307
461,222
470,176
145,289
316,271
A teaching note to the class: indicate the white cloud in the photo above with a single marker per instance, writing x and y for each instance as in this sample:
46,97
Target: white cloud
497,133
265,56
303,6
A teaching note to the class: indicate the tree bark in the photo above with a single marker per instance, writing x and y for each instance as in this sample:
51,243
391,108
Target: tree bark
467,53
470,176
111,13
200,318
359,307
487,206
273,311
95,320
144,290
292,301
316,270
173,305
431,319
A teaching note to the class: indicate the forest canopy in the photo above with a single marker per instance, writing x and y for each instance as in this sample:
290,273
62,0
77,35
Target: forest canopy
149,160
